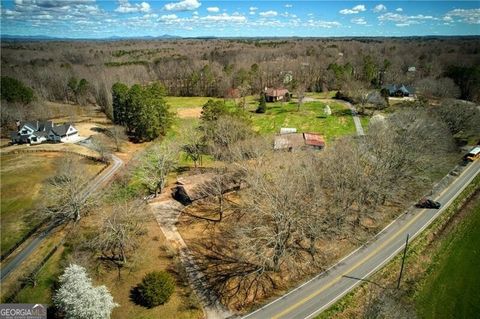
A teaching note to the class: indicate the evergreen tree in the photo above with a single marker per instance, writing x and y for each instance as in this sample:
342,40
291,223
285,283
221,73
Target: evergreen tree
12,90
212,110
156,288
119,103
262,107
78,299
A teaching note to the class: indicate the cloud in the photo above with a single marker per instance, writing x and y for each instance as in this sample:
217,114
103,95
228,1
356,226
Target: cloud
322,24
168,17
357,9
288,5
399,9
51,3
470,16
401,20
213,9
360,21
224,17
185,5
268,14
379,8
253,8
126,7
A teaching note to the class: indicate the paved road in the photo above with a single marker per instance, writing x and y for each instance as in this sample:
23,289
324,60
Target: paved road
322,291
93,186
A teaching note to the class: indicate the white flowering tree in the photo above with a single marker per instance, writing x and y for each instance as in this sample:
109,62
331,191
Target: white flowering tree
78,299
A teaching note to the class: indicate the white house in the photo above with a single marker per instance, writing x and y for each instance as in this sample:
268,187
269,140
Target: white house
41,131
63,133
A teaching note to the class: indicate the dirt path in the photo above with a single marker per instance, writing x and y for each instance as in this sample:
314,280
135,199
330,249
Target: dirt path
191,112
166,211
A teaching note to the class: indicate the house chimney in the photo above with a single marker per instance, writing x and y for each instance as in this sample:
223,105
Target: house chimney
18,125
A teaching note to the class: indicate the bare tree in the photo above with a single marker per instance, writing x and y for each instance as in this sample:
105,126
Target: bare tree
99,144
224,133
119,233
117,133
157,163
217,187
300,92
193,144
244,90
66,199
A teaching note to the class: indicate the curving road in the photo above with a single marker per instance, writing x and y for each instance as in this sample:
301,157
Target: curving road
316,295
99,180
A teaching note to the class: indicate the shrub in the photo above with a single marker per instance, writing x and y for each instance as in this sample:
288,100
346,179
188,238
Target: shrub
155,289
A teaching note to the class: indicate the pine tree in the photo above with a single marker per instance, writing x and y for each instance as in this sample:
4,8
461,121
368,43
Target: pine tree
119,103
78,299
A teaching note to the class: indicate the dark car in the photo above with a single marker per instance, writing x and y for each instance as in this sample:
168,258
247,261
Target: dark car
427,203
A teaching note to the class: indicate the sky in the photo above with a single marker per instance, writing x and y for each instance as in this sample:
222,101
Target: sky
198,18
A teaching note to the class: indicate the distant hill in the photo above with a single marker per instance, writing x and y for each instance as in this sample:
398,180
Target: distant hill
8,37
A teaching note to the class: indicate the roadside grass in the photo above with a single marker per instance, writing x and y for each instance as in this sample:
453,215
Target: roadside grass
309,118
452,288
23,179
46,279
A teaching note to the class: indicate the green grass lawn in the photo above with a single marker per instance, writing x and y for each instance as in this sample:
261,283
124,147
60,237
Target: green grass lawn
452,288
310,118
178,102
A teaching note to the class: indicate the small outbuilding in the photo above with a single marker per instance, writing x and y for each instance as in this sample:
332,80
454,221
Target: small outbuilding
276,94
298,141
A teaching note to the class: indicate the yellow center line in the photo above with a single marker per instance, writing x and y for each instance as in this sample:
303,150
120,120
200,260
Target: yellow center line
385,243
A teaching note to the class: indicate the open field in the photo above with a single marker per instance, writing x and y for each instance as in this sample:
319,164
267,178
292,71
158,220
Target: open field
23,179
310,118
452,288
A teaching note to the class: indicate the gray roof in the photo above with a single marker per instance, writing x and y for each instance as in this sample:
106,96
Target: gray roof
392,88
61,130
38,125
40,133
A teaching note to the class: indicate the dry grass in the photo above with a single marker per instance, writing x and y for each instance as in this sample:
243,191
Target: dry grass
152,255
23,179
193,112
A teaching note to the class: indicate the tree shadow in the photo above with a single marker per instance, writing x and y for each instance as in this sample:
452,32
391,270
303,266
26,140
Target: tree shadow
136,297
364,280
99,130
343,112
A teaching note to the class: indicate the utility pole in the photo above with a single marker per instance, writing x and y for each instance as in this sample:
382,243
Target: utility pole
403,262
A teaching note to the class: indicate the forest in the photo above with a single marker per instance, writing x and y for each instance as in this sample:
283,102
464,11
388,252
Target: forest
84,72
